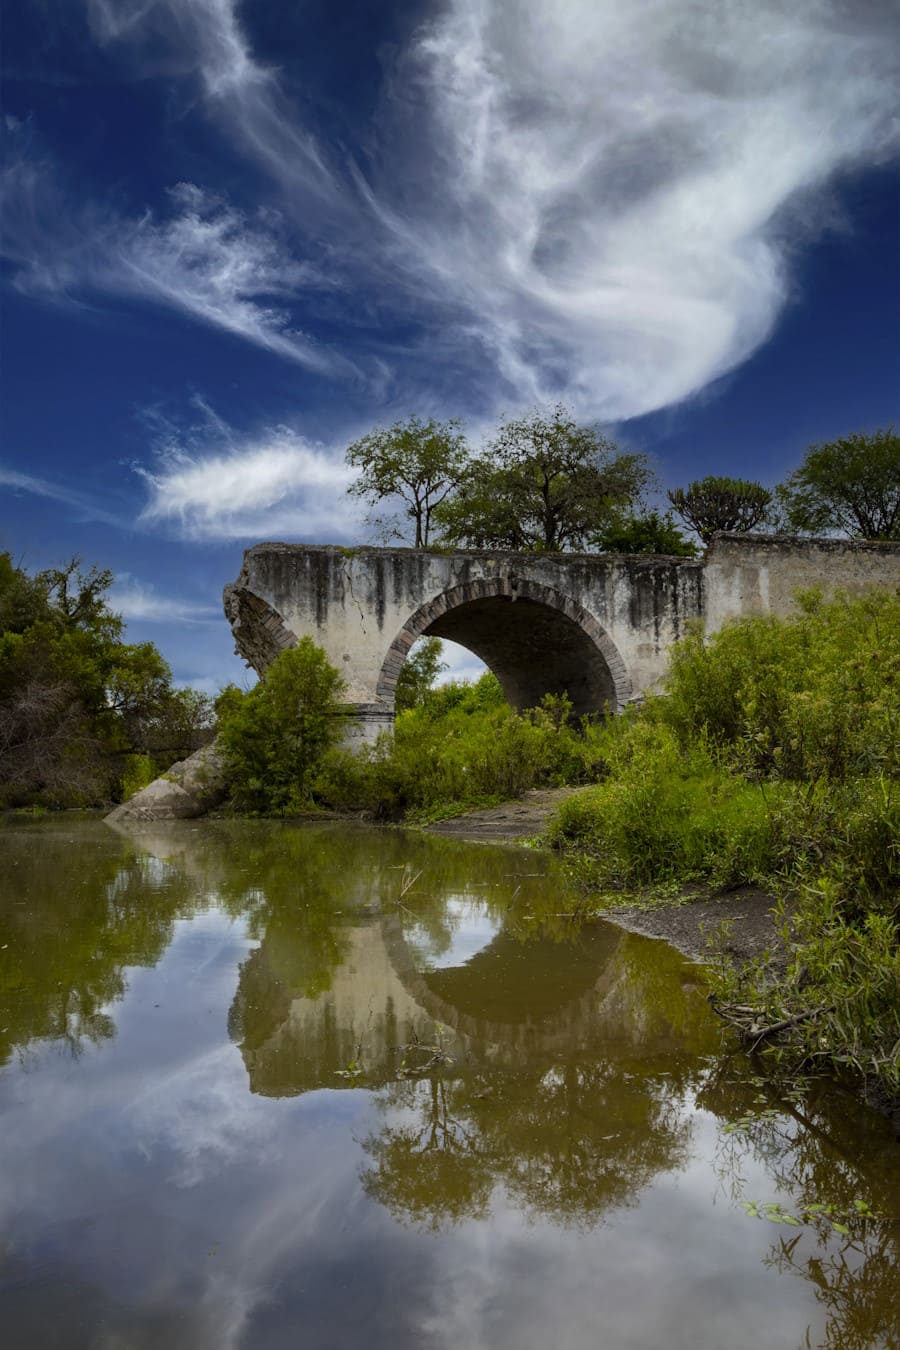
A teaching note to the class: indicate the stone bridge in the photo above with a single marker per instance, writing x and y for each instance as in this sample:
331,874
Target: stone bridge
595,627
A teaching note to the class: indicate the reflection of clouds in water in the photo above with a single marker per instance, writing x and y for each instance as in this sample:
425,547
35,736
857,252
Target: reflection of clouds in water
202,1115
466,928
150,1176
669,1272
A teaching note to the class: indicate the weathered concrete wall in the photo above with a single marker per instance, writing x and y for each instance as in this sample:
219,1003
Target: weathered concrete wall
761,574
597,627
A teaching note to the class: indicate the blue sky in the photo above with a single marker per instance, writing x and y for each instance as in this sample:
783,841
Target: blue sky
236,236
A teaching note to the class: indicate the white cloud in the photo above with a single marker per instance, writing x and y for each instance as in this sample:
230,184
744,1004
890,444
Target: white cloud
209,261
591,201
205,259
136,600
460,662
206,36
272,485
605,183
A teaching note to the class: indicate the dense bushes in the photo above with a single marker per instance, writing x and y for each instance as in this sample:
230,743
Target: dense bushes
84,715
274,737
462,745
667,814
814,696
777,743
774,759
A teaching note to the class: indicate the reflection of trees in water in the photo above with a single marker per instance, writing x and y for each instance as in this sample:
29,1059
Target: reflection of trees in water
567,1140
77,906
569,1129
855,1281
820,1147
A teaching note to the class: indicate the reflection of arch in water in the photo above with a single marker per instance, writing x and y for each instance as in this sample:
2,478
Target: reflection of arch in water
379,1000
512,996
534,638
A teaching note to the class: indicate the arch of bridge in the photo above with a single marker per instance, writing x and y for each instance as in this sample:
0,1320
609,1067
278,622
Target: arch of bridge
505,621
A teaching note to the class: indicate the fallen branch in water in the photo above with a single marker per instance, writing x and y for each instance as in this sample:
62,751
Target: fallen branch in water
750,1022
436,1053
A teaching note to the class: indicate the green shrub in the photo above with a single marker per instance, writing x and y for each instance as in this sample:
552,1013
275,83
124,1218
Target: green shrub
275,736
462,746
774,760
811,696
667,815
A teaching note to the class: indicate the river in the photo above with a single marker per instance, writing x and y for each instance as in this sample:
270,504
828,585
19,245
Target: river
272,1085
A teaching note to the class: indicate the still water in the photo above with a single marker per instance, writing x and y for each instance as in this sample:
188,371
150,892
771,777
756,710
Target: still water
270,1086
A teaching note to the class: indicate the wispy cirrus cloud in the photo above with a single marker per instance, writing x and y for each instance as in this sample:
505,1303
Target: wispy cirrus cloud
208,41
210,486
613,190
139,601
203,258
595,201
83,505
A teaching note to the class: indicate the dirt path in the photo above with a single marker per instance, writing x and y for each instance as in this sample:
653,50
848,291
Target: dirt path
510,823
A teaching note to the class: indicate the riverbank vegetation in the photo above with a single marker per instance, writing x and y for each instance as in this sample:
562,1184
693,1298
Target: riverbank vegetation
459,747
774,760
85,717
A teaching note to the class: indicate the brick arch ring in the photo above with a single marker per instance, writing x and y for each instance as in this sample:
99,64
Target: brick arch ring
511,589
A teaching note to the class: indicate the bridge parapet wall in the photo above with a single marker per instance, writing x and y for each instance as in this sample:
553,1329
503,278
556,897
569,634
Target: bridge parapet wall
366,606
761,573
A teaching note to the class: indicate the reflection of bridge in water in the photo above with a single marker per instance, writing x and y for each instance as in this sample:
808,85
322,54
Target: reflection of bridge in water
344,975
513,1003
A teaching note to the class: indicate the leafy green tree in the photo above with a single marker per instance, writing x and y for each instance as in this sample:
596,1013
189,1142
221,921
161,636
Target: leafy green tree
275,736
23,599
78,599
420,670
76,701
185,722
647,532
544,483
851,484
418,461
715,503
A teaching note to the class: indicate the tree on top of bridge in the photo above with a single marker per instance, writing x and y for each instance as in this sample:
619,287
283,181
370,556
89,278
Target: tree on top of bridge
543,483
718,503
418,461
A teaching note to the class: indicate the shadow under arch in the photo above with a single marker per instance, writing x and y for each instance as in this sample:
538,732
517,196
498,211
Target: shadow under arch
534,638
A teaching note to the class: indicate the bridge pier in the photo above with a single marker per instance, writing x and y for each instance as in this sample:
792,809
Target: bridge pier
366,723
